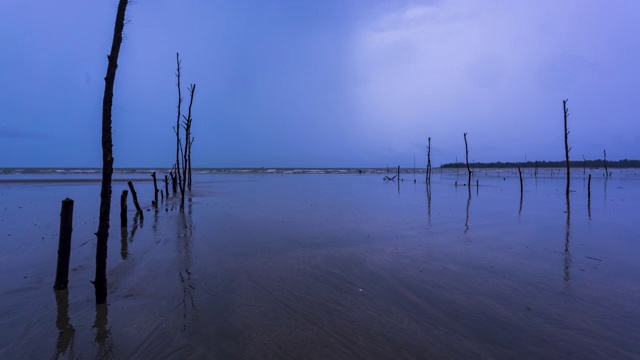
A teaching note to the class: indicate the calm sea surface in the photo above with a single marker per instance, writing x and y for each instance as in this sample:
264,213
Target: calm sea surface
328,264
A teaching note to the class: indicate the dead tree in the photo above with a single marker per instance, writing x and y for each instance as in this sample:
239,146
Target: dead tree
566,143
189,160
521,186
174,181
166,186
100,281
606,171
429,160
176,129
466,147
186,152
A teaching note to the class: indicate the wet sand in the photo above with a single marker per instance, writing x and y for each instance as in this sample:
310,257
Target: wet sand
329,266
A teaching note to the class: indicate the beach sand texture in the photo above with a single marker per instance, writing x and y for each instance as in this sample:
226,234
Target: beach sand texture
328,266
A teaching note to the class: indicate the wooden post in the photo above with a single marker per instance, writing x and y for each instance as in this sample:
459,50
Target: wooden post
589,188
166,186
64,245
566,142
162,195
398,173
123,208
174,182
134,195
155,188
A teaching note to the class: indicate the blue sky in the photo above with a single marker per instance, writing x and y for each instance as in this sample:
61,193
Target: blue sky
333,83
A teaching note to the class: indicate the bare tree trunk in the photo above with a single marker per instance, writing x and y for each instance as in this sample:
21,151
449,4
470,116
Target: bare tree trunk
189,160
176,129
606,171
466,147
100,281
166,186
429,160
174,180
187,146
566,143
521,186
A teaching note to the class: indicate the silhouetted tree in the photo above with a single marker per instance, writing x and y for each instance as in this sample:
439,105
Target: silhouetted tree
182,166
566,143
466,147
100,281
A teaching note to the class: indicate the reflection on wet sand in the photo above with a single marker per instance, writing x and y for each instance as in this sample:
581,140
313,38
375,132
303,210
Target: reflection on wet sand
429,201
520,207
466,222
124,245
134,228
156,212
184,238
567,237
66,331
105,344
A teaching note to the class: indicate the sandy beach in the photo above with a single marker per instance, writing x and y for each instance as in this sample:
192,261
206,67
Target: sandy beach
328,266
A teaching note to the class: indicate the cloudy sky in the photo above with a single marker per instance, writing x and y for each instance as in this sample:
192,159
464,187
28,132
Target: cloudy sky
332,83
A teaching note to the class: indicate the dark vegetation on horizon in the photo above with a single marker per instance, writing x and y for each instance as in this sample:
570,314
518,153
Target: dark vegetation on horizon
592,164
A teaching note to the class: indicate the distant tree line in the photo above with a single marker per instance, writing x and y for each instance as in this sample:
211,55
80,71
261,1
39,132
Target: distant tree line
598,163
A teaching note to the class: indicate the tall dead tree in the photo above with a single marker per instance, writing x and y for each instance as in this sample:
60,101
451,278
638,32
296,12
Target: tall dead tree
566,143
466,147
176,129
429,160
186,153
606,171
182,168
100,281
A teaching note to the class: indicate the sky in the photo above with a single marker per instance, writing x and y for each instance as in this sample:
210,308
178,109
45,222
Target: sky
332,83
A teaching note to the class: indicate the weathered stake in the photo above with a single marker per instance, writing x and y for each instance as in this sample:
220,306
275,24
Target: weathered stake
64,245
155,188
123,208
166,186
134,195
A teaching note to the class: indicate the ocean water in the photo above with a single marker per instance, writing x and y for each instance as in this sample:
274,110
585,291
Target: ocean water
317,264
